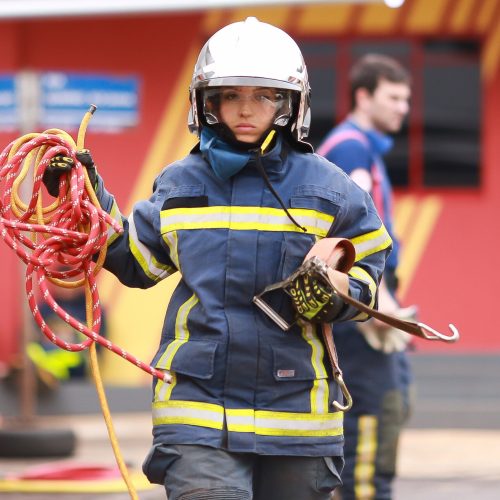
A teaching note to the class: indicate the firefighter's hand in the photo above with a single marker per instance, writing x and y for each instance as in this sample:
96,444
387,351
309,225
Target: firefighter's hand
61,164
85,158
315,301
58,166
385,338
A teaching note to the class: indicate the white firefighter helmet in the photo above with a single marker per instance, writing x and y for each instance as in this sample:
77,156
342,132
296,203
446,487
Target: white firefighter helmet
257,54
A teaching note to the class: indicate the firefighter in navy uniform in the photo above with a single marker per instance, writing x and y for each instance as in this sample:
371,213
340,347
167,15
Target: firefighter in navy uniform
372,356
249,412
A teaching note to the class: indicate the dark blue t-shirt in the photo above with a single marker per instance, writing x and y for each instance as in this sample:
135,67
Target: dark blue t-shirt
351,148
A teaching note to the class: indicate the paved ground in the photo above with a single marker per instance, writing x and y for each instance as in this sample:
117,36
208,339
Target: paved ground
435,464
450,451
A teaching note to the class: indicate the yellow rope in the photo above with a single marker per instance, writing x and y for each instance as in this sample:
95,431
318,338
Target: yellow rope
42,216
96,373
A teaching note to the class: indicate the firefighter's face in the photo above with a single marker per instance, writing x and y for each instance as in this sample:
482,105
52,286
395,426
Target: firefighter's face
248,111
388,106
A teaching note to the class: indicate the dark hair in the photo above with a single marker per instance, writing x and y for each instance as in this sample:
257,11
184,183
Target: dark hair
370,69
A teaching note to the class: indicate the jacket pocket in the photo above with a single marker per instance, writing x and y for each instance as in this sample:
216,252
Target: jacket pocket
294,248
317,198
194,358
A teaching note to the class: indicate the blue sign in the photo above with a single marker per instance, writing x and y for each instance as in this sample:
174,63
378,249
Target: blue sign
9,118
65,98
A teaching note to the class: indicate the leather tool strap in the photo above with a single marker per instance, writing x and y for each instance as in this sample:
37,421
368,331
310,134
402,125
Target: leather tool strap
414,328
327,333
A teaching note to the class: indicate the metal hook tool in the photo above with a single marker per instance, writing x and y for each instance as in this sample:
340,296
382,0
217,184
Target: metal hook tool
435,335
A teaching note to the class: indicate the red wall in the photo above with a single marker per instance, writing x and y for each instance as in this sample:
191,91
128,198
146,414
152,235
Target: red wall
457,278
150,47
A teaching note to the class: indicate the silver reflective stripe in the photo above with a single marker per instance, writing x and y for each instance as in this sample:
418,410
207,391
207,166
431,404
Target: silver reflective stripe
188,413
245,218
171,240
181,333
117,216
153,269
268,423
369,243
264,423
360,274
320,392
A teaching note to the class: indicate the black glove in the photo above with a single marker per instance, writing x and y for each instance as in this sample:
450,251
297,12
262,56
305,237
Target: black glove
85,158
58,166
314,300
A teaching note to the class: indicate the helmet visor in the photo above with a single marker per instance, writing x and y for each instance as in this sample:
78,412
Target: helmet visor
265,101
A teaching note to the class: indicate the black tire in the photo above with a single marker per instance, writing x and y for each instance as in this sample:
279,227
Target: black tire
32,443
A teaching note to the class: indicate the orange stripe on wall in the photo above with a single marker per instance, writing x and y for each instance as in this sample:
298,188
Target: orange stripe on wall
425,16
278,16
331,19
136,316
417,239
485,15
377,18
404,215
491,51
213,20
461,15
218,18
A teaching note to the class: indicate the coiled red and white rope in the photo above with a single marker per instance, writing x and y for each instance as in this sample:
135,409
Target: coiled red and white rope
68,232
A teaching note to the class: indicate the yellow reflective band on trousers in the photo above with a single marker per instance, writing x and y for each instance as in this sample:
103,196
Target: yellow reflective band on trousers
245,219
372,242
153,269
364,465
260,422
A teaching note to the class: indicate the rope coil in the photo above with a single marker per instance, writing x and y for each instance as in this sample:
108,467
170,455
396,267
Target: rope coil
67,232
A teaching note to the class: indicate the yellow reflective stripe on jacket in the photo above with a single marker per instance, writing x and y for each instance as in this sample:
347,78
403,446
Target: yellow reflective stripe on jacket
372,242
153,269
360,274
245,218
260,422
319,392
162,389
171,240
275,423
188,413
117,216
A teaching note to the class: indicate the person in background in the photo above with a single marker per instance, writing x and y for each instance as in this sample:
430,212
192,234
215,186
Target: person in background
52,363
250,411
372,356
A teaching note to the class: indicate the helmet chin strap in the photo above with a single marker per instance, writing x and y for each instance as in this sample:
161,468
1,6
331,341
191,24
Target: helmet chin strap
258,149
266,143
227,135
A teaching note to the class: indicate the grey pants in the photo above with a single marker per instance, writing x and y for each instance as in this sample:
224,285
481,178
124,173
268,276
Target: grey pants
193,472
